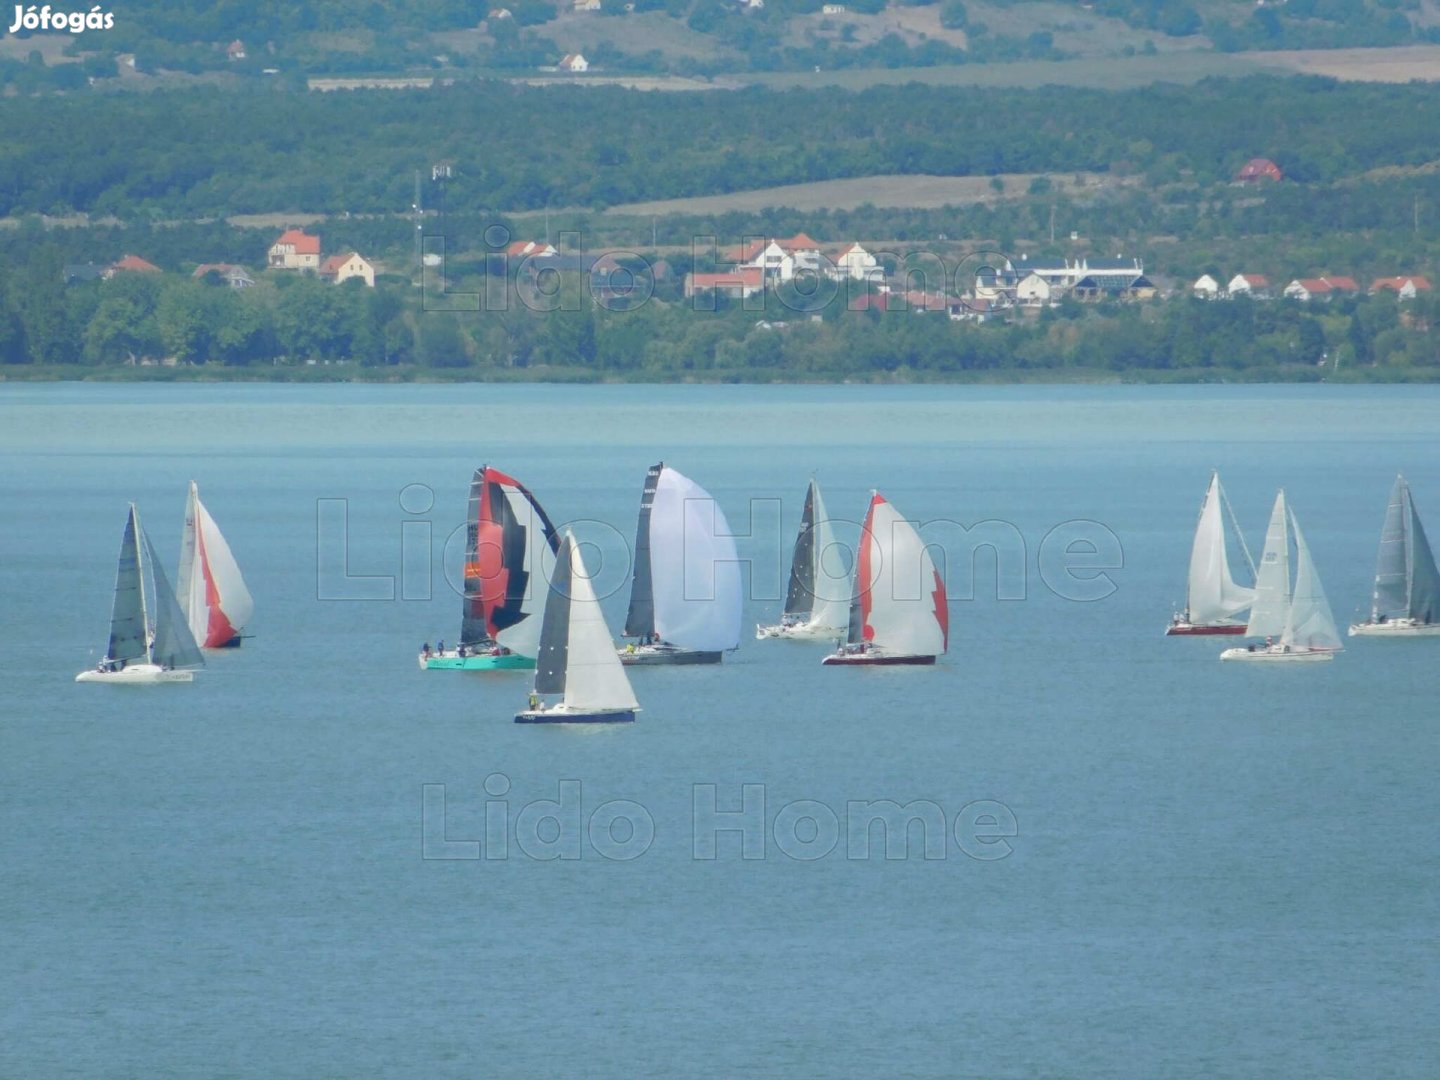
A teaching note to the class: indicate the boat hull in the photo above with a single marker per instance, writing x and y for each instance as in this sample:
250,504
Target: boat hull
484,662
1184,629
648,655
562,715
1395,628
137,675
799,632
1275,654
873,659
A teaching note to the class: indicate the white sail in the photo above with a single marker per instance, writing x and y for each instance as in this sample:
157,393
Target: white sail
210,588
1272,579
694,567
1213,595
831,581
594,676
902,597
1309,623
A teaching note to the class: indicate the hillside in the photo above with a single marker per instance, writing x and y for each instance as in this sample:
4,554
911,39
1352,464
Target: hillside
260,39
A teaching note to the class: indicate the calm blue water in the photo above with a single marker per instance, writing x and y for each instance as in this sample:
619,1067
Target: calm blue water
1219,871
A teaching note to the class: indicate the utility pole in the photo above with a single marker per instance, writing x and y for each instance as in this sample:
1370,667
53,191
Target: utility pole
419,227
1052,223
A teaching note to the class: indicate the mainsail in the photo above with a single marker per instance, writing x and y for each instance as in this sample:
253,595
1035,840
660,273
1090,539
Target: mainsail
1272,579
210,588
1407,585
814,595
174,646
509,542
686,586
1212,595
576,655
128,628
1308,623
898,602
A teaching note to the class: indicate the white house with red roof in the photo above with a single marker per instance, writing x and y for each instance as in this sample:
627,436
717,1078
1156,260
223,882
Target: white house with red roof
854,262
1255,286
574,62
295,250
1406,288
782,259
531,249
1321,288
341,268
740,282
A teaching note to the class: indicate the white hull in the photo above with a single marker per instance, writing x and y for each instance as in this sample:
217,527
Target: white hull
136,675
800,632
1395,628
1278,654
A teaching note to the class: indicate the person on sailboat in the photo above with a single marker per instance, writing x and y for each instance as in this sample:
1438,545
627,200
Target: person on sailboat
425,650
440,647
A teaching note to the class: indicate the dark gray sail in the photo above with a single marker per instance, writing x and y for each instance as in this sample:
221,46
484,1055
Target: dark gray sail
473,632
640,619
1424,579
174,645
127,618
555,627
800,596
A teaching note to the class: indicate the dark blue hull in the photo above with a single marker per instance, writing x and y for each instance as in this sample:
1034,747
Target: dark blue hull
563,716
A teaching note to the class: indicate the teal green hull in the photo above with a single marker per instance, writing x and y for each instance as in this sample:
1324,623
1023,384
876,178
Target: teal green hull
480,663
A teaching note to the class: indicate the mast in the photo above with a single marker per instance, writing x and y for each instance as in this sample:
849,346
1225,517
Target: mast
640,618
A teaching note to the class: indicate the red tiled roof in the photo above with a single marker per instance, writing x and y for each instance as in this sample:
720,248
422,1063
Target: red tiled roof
303,242
1342,284
745,276
1314,285
219,268
134,262
1395,284
528,247
1255,281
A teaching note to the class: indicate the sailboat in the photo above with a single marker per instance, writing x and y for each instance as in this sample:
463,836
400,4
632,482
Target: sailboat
509,545
209,587
1212,597
815,607
577,655
898,612
685,592
1300,616
150,641
1407,585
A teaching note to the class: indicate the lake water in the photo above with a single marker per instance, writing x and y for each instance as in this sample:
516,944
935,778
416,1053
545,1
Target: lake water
1217,870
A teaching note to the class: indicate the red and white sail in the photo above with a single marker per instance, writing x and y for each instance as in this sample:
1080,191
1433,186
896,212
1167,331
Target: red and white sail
211,592
899,603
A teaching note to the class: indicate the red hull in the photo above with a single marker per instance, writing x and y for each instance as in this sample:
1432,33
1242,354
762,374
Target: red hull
1186,630
878,660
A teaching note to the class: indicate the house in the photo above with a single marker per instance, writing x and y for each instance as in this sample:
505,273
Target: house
1036,290
856,263
1100,285
611,280
751,5
235,50
1406,288
295,250
529,249
574,62
782,259
587,5
131,263
974,309
1057,273
1258,169
1321,288
1255,286
499,13
741,282
995,284
833,9
1205,287
341,268
234,276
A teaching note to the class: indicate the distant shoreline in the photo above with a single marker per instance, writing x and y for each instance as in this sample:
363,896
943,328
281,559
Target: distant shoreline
350,373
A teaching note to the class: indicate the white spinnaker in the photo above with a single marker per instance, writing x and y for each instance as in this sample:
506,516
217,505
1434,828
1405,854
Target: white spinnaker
524,637
594,676
832,582
235,599
205,557
903,587
1213,594
1310,624
694,567
1272,578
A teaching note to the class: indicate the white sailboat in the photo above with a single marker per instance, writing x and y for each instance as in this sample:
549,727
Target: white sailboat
577,658
685,593
1300,616
1213,599
1407,584
817,603
150,642
898,612
209,587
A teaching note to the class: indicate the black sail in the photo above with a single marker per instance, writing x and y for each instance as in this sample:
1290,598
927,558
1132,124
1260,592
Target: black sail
555,628
800,596
640,619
